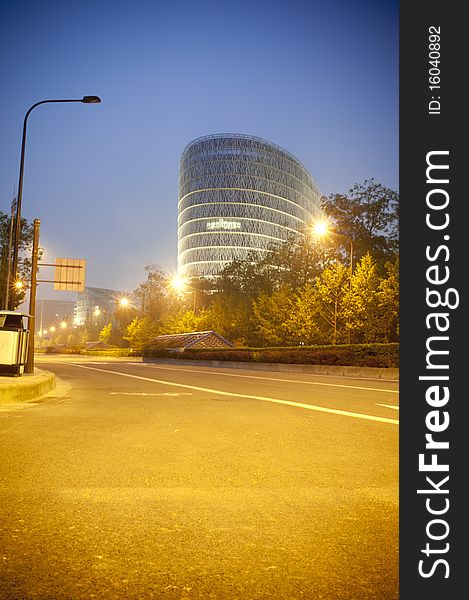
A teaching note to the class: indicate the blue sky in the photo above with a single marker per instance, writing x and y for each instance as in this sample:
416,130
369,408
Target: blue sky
317,78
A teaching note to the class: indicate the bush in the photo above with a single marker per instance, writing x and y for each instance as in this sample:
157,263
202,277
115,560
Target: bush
357,355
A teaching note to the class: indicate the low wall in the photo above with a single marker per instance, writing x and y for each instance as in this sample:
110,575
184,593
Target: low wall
388,374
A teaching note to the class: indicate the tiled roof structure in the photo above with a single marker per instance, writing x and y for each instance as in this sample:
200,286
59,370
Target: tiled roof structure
195,339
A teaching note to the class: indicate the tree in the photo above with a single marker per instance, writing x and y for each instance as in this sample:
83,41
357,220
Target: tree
182,321
388,303
232,318
272,317
140,332
24,264
298,261
361,303
369,215
153,293
106,333
77,336
246,278
331,293
304,319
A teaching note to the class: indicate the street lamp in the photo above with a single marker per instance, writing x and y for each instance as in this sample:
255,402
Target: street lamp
14,268
181,285
322,229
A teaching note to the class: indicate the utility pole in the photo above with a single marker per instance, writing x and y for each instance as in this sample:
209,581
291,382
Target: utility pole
29,366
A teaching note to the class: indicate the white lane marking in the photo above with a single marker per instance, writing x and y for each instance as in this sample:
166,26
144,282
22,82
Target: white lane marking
333,411
150,394
339,385
90,362
388,406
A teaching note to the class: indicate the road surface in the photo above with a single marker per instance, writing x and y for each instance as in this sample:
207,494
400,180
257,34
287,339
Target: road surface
136,481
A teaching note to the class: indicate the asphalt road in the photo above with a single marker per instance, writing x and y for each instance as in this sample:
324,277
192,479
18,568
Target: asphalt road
136,481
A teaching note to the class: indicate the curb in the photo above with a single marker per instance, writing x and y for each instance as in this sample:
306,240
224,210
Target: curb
387,374
26,387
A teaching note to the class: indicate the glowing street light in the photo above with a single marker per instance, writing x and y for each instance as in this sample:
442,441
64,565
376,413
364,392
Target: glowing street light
179,284
52,328
19,285
63,325
320,228
182,285
124,302
97,311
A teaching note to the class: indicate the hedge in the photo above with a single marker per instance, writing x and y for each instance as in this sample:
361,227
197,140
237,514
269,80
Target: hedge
118,352
357,355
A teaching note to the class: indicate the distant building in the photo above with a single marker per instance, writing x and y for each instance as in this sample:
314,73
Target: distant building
50,313
239,195
97,302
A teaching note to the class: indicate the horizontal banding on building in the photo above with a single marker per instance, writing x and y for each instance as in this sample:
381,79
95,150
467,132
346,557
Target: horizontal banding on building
238,194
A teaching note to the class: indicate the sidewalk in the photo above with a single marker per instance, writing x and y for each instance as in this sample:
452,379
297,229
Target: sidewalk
26,387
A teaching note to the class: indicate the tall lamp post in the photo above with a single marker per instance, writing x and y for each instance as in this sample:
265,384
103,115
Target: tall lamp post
10,301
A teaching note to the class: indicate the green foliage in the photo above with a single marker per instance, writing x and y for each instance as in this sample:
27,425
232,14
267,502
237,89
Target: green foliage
388,303
154,293
361,304
331,294
305,317
359,355
24,264
105,334
298,261
368,214
140,332
272,315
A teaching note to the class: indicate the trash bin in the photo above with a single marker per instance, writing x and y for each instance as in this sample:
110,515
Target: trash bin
14,340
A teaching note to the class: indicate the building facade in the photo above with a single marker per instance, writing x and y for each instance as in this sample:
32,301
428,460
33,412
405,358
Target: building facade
97,305
239,194
50,313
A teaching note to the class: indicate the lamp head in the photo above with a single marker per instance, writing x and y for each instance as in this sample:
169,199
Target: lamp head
91,99
179,284
320,229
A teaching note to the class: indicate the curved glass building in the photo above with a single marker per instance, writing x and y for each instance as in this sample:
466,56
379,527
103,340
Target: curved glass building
238,194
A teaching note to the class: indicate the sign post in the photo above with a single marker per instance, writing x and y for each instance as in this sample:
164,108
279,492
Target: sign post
69,276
